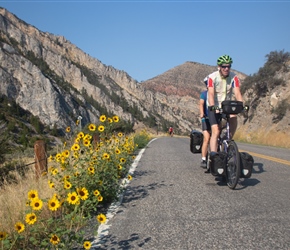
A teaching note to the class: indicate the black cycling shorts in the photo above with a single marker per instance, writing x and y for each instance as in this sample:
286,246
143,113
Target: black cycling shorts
214,118
205,125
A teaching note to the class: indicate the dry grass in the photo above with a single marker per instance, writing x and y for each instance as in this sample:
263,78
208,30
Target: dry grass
263,137
13,198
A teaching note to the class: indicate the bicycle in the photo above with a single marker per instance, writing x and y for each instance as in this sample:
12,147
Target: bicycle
230,166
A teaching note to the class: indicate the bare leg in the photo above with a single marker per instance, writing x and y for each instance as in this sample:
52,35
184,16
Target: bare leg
206,137
214,137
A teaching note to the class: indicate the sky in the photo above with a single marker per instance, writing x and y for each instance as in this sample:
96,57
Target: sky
147,38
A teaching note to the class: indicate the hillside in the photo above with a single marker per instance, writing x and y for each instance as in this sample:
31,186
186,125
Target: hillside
56,82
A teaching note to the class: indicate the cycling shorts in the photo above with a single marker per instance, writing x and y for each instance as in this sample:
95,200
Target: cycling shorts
205,125
214,118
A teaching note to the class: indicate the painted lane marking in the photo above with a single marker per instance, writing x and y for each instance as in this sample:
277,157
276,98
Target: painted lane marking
103,229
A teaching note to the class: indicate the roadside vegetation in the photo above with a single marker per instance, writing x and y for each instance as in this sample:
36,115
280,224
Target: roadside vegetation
83,178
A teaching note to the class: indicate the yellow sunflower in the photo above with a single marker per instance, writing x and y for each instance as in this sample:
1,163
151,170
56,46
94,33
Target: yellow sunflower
67,185
91,170
92,127
32,194
30,218
51,185
96,192
106,156
120,134
116,118
100,198
53,204
101,218
117,151
129,177
67,129
101,128
119,167
122,160
65,153
87,143
83,193
75,147
110,120
72,198
80,135
54,239
19,227
103,118
36,204
3,235
87,245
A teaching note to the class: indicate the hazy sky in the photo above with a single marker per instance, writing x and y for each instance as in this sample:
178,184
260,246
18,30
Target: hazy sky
147,38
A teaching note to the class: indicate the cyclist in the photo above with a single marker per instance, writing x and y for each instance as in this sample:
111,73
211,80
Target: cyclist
204,125
222,85
170,131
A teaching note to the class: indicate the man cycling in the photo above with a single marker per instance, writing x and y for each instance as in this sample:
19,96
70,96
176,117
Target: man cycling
222,85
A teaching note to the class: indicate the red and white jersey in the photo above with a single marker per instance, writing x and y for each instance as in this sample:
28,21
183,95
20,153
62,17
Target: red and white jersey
223,87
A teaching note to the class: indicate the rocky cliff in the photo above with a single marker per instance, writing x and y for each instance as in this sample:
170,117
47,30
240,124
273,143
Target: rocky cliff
56,81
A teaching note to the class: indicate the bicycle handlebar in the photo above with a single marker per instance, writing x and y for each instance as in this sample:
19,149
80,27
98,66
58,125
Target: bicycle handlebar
213,108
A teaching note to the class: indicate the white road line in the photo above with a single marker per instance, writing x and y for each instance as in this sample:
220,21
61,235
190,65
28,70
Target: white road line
103,229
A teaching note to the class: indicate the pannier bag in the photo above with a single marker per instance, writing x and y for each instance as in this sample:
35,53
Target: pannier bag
217,163
247,163
196,139
232,107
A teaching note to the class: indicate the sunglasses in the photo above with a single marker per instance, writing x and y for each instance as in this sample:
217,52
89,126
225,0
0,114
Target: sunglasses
224,67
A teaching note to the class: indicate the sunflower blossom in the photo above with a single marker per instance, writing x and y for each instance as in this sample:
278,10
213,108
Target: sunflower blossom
36,204
30,218
53,204
87,245
72,198
54,239
3,235
83,193
19,227
103,118
101,218
32,194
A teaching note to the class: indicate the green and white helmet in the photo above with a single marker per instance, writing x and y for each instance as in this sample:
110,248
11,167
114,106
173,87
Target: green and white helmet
225,59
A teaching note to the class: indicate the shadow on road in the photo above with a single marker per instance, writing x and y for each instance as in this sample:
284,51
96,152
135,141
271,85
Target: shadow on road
258,168
130,243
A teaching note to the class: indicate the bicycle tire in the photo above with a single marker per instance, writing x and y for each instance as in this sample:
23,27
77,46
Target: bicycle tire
233,165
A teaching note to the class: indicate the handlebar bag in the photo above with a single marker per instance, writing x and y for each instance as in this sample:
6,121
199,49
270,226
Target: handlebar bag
247,163
217,163
232,107
196,139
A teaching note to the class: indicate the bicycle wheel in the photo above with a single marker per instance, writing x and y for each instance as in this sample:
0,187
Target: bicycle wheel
233,165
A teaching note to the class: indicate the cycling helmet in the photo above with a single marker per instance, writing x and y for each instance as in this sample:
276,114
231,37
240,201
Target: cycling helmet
225,59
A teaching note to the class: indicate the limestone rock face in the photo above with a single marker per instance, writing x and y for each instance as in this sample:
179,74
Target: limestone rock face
53,79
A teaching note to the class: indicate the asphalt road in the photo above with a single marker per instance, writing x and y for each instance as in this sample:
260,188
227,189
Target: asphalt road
172,204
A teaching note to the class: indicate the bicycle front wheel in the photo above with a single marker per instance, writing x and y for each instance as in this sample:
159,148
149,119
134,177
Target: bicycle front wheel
233,165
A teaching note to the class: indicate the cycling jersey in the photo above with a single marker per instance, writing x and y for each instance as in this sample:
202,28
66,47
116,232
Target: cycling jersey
223,87
203,96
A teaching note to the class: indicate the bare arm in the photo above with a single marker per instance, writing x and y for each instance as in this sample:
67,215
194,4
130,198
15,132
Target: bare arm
238,94
211,96
201,110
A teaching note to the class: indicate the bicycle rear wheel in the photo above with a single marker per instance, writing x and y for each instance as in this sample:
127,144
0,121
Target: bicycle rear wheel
233,165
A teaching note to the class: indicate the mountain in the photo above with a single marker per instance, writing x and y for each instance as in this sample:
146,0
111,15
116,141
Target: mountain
57,82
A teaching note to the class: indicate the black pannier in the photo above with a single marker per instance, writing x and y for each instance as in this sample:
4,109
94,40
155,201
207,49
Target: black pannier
247,163
196,139
217,163
232,107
